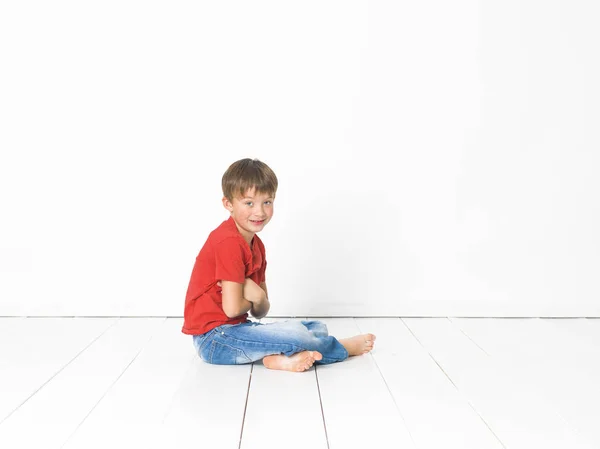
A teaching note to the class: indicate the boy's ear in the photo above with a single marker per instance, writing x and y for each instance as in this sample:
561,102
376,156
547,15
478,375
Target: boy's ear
227,204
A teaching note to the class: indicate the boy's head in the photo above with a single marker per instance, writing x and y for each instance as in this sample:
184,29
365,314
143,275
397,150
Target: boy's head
248,174
249,188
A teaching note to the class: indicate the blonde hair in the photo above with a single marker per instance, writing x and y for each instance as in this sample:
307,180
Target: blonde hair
246,174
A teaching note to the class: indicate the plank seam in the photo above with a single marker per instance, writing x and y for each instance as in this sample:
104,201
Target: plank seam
57,373
389,390
112,385
246,405
321,403
466,335
174,395
457,389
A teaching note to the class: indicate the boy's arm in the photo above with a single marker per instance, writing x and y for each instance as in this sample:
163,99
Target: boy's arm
263,285
238,299
260,302
234,303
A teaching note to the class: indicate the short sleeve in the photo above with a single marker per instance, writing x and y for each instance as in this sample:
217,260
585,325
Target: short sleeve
263,271
229,261
263,268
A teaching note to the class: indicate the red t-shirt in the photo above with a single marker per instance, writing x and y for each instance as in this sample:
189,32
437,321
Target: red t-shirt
225,256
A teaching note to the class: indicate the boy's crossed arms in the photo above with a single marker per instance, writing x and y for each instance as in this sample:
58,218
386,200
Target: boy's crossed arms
241,298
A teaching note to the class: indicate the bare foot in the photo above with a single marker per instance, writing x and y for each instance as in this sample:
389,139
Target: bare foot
301,361
359,344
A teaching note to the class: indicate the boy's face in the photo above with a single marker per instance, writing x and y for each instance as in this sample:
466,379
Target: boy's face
251,212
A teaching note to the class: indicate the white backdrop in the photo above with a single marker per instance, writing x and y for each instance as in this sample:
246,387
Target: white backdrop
435,158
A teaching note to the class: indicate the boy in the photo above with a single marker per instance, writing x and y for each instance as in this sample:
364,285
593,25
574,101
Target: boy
228,281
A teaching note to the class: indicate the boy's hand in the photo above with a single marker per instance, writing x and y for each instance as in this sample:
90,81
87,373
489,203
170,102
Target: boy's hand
258,297
252,292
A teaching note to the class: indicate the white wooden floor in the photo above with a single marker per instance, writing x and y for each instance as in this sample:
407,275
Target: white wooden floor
430,383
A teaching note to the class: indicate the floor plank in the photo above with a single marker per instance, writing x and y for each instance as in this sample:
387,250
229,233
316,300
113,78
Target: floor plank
425,396
520,418
34,350
139,383
556,359
584,333
208,408
279,404
594,325
53,414
8,325
358,407
131,413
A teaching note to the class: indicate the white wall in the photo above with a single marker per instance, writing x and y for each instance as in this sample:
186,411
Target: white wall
435,158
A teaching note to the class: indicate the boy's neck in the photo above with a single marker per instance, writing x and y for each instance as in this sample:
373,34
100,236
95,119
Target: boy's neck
247,236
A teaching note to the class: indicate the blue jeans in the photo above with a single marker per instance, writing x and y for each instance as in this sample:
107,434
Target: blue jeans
248,342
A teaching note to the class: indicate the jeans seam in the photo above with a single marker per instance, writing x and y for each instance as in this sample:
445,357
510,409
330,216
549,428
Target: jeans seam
264,342
261,342
294,347
204,343
212,349
215,342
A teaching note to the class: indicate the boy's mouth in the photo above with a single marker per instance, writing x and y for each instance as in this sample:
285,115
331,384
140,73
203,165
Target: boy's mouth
257,221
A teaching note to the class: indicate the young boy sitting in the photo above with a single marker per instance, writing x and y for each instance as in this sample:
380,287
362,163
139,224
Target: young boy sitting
228,281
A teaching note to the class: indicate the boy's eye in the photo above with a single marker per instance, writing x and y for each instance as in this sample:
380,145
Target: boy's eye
268,202
249,203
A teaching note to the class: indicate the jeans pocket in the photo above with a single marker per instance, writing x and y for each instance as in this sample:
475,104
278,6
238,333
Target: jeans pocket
200,341
219,353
